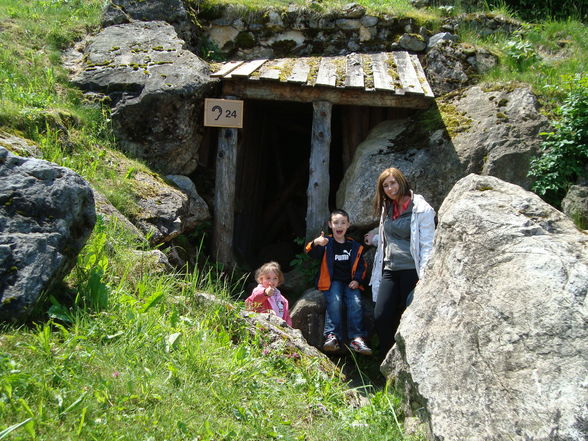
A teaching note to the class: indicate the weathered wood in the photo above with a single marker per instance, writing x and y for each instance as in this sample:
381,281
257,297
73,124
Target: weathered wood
224,196
327,72
265,90
226,69
355,73
421,76
246,69
407,75
300,71
382,79
317,193
272,69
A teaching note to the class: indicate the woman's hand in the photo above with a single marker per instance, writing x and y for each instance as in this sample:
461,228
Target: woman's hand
354,284
368,239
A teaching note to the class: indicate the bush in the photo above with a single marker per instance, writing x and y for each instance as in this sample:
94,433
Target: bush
564,156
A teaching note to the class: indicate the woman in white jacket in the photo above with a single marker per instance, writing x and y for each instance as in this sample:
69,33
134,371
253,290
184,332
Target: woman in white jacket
404,241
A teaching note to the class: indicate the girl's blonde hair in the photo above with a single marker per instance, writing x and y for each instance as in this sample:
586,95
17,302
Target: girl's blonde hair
270,267
380,198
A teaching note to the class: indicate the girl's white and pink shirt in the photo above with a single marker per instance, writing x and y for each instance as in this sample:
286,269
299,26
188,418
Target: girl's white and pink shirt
277,303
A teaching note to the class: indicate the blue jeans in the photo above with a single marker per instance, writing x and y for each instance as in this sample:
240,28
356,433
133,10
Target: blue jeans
340,294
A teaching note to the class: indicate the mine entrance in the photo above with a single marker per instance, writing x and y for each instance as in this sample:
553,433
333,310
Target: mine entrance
272,173
277,176
272,176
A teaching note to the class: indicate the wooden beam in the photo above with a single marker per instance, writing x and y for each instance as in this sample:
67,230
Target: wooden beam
407,73
224,196
317,194
274,91
247,68
226,69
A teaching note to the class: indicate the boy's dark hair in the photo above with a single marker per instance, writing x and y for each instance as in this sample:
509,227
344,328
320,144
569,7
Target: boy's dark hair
339,211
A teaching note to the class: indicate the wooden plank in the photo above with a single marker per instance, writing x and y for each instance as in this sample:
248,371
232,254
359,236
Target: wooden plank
227,68
248,68
273,91
407,75
327,73
224,196
355,74
382,80
300,71
317,211
272,69
421,76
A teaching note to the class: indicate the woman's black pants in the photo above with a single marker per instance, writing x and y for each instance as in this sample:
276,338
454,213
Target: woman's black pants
391,303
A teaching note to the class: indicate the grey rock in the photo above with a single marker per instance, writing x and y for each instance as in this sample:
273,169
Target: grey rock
18,145
348,24
495,343
172,11
412,42
46,215
155,86
369,21
107,210
494,132
353,10
575,205
441,36
197,206
165,211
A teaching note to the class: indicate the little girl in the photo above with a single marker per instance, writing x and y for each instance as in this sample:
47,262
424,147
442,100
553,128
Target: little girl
266,297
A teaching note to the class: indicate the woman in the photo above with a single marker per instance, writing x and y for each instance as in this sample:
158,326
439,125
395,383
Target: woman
404,241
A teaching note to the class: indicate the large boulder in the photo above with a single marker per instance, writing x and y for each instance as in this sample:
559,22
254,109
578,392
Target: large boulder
172,11
164,210
495,343
450,65
46,215
575,205
156,88
489,131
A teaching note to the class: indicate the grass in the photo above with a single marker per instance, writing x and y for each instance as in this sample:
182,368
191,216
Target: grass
128,351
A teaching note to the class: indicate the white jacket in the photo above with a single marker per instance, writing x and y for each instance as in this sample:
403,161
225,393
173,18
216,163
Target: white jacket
422,232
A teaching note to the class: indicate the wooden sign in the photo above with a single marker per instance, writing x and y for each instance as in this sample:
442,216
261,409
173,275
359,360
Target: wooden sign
223,113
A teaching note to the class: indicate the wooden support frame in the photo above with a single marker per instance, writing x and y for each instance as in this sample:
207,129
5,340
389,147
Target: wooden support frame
224,195
317,193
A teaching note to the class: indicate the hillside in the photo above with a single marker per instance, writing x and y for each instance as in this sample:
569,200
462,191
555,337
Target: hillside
125,349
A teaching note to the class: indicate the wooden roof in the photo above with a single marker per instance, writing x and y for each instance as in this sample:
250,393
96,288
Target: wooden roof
388,79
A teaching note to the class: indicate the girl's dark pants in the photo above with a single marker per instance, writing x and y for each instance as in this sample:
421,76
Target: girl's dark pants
391,303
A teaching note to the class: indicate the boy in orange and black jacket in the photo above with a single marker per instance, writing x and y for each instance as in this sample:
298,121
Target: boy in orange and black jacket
341,272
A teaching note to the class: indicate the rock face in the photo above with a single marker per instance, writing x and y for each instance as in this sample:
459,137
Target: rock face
156,88
575,205
488,132
495,343
165,211
46,215
172,11
450,65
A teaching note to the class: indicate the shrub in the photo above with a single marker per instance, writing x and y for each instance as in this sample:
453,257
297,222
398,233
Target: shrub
564,156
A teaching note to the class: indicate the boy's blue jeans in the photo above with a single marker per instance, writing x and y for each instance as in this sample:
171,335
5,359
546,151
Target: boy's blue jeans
340,294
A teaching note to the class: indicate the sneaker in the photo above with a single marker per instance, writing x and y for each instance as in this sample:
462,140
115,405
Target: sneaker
359,346
331,343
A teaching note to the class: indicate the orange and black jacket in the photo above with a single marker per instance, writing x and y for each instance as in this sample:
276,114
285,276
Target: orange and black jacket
327,256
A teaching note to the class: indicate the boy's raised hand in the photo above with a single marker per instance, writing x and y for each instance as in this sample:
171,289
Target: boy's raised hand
321,240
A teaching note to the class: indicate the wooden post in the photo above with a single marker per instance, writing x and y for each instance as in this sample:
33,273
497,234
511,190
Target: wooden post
224,196
317,194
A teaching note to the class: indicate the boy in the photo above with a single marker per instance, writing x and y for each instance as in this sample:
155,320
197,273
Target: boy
341,271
